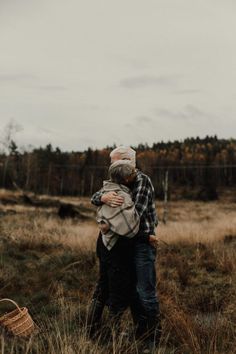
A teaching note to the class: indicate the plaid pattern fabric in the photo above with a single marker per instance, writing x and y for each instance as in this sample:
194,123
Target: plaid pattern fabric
122,220
144,200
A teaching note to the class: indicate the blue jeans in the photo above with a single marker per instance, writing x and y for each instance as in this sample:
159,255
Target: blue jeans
145,307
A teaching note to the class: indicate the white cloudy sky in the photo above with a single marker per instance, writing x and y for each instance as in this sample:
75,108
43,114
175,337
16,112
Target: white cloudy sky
81,73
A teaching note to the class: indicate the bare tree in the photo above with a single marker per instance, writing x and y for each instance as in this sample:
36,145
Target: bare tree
7,142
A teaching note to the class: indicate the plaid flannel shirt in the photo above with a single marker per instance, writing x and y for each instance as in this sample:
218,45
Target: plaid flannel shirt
143,196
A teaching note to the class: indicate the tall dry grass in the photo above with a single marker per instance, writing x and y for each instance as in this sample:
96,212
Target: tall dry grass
50,266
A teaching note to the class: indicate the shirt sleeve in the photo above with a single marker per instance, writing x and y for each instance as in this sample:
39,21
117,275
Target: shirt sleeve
96,198
141,196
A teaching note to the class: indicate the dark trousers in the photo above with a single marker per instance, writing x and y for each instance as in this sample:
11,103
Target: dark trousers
115,284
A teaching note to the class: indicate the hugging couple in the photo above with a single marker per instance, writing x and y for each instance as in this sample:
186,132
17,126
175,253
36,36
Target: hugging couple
126,248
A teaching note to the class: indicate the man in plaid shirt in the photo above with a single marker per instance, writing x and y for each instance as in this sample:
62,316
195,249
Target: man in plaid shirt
143,198
145,307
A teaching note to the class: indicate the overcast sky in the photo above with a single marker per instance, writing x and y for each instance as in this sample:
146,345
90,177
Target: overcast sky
92,73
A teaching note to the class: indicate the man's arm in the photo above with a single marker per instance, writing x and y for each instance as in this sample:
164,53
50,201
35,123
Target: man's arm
111,198
141,196
96,198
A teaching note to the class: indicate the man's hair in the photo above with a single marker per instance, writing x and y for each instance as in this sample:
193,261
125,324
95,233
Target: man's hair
125,153
120,170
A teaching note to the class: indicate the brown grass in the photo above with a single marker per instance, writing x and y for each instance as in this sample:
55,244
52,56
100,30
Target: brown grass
50,266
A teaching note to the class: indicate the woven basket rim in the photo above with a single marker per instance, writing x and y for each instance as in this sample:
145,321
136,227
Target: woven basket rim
18,322
7,319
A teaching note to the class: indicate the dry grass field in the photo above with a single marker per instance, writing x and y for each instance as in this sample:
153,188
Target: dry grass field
49,265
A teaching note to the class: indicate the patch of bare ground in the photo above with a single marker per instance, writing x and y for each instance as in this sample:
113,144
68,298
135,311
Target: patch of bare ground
50,266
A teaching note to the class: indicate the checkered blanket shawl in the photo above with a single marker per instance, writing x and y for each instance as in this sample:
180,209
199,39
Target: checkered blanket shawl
123,220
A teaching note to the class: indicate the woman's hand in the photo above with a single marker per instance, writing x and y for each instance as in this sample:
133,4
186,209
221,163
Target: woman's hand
112,199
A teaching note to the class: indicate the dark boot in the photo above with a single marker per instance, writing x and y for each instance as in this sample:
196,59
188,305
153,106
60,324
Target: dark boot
154,329
94,318
148,335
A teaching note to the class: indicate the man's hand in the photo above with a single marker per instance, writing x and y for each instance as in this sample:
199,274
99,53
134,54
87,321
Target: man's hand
112,199
153,240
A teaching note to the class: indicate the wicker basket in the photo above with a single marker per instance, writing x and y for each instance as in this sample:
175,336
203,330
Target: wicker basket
18,322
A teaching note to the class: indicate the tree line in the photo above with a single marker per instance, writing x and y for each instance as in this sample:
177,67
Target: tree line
193,163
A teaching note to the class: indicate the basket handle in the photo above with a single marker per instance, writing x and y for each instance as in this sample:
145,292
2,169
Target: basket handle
13,302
